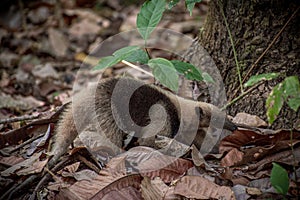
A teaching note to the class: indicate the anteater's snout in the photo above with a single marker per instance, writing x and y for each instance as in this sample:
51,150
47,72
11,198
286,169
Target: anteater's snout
229,125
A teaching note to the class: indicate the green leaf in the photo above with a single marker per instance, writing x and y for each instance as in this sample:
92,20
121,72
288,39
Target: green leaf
294,103
292,92
279,179
165,72
106,62
188,70
291,86
139,56
172,3
125,51
207,78
261,77
149,16
190,4
274,102
118,56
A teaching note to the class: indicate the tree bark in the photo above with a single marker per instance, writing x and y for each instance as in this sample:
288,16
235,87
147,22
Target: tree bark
253,26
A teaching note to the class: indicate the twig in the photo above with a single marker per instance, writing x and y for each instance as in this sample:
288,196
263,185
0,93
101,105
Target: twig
273,41
136,67
267,49
25,143
23,15
10,193
233,49
46,177
89,164
21,118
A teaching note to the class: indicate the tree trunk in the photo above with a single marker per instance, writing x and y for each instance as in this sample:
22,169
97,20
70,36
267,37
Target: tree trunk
253,26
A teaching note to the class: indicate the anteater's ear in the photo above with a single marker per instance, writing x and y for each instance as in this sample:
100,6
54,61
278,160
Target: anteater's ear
199,112
204,119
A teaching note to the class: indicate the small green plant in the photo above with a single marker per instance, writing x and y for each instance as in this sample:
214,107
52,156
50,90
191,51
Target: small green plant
162,69
287,91
280,179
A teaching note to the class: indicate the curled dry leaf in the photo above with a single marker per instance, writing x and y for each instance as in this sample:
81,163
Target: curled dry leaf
233,157
40,141
249,120
197,157
111,179
152,163
167,173
288,157
245,139
69,170
247,146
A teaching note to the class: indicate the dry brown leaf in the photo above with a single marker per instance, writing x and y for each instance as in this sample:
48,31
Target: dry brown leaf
128,181
39,15
249,120
247,138
157,189
30,166
37,126
69,170
256,147
58,42
240,192
239,180
201,188
45,71
85,174
232,158
151,163
286,157
112,178
84,27
263,184
11,160
197,157
40,141
156,167
253,191
126,193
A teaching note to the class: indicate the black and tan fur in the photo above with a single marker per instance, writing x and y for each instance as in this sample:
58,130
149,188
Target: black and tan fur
94,105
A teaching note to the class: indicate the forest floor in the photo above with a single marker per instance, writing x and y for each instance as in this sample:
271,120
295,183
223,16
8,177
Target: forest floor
47,53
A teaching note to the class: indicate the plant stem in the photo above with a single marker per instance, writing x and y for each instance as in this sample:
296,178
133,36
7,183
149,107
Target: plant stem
294,158
233,48
241,96
136,67
267,49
